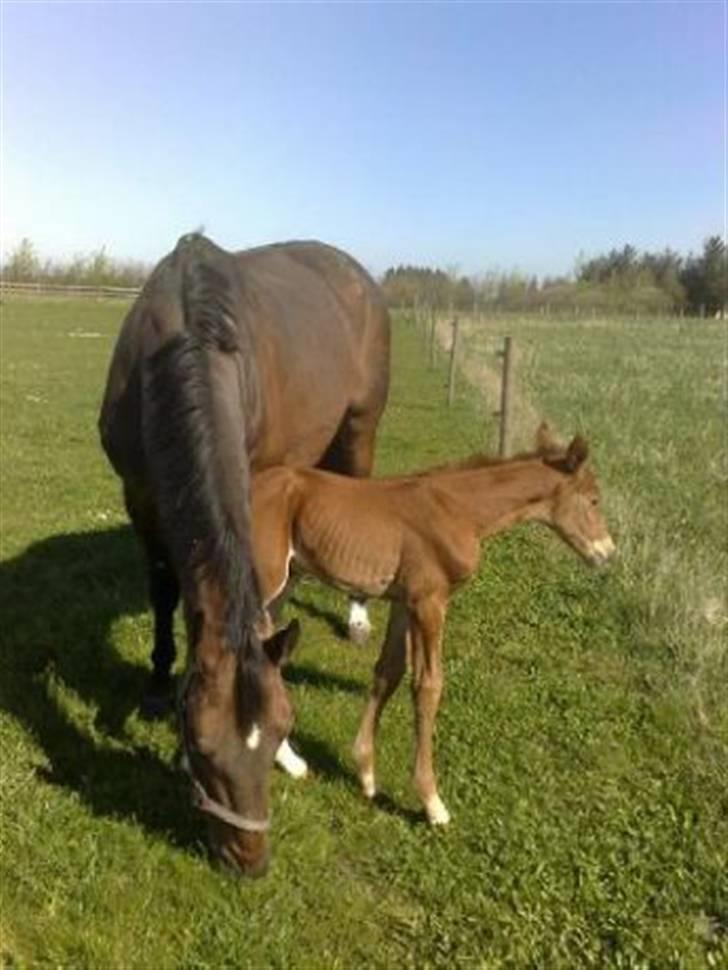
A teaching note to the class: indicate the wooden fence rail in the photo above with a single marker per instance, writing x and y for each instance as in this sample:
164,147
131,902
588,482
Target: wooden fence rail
11,286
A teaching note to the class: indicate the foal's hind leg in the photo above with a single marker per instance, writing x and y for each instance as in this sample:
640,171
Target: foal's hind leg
164,597
427,623
387,676
352,453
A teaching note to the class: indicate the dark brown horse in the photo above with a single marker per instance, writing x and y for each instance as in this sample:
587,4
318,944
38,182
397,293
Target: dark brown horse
413,539
227,363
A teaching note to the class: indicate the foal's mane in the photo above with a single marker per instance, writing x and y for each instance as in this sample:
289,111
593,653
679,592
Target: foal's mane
481,460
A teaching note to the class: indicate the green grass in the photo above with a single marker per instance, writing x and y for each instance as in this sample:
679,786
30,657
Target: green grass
590,801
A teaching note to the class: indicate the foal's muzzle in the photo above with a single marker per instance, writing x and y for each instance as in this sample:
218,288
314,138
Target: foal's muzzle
601,551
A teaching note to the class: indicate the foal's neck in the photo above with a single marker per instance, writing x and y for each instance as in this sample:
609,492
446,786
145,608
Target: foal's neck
497,496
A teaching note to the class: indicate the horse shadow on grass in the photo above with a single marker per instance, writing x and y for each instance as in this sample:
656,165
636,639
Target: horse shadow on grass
334,622
60,600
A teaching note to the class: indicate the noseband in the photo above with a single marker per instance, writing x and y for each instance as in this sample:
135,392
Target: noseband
200,799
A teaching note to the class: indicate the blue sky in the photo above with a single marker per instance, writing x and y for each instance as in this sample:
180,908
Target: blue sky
490,135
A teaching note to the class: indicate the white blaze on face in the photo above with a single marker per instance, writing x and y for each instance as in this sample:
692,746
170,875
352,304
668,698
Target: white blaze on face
253,739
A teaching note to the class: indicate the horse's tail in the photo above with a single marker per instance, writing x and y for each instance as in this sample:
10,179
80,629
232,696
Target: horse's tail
199,387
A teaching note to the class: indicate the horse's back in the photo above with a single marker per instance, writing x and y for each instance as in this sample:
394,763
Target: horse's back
310,315
315,291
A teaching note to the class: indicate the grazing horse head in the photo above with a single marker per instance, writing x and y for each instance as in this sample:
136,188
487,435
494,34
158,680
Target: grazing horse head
574,510
233,719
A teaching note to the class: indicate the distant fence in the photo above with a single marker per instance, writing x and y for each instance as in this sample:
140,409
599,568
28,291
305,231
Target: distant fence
10,286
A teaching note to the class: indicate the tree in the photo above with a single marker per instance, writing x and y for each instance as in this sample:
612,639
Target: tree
714,275
23,265
704,277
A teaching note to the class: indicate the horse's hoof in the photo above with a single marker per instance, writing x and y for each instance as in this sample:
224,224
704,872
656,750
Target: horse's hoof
154,706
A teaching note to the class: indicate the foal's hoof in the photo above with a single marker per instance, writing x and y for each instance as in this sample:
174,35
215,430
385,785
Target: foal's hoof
156,704
368,784
437,814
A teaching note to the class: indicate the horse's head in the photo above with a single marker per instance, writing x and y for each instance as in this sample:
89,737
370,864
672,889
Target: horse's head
574,509
234,717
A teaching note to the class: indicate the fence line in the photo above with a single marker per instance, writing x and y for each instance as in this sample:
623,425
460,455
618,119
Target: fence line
70,289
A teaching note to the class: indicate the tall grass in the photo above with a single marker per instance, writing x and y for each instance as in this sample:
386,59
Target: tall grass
652,396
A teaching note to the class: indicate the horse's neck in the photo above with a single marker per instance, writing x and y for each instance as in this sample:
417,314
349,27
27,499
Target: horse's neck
496,497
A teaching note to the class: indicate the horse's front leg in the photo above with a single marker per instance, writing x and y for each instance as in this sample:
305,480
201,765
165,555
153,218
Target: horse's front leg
164,593
427,623
387,676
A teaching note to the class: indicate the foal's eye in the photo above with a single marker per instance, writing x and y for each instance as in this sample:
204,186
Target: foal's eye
595,501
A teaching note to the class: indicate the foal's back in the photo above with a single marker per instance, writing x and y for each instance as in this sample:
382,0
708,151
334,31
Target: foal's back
381,537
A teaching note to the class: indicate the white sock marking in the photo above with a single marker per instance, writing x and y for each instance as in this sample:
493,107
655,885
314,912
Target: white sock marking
367,783
290,762
359,625
436,811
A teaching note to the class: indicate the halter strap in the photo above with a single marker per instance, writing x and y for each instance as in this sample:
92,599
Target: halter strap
200,799
203,803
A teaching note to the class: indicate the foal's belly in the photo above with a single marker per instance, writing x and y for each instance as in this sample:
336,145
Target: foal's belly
352,578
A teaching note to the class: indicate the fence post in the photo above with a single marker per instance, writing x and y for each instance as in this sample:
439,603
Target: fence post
432,335
505,401
453,357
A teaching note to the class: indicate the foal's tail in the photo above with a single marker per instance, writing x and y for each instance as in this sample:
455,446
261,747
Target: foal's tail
199,395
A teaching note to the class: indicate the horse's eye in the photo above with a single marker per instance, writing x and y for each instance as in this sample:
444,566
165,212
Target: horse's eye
595,501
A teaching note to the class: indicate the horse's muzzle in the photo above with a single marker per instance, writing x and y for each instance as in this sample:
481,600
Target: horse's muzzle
248,857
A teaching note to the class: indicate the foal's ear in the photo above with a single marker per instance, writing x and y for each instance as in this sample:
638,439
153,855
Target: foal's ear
280,646
545,440
576,454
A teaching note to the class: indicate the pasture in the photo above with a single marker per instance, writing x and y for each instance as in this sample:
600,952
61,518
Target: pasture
582,740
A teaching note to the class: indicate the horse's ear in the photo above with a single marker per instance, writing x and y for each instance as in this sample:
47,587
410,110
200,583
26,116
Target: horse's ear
545,440
576,454
280,646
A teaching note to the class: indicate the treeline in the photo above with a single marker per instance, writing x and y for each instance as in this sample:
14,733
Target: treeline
95,269
621,281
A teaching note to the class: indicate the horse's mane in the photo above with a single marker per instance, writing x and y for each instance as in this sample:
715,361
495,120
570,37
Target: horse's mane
203,496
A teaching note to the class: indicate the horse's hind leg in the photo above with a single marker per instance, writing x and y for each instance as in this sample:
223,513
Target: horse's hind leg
387,676
352,453
164,597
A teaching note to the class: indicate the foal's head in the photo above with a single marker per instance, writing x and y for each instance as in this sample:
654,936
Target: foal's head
573,509
234,717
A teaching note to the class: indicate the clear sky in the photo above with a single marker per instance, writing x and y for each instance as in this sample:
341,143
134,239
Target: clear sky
476,135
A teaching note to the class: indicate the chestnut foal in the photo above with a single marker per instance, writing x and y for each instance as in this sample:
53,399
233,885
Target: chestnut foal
413,539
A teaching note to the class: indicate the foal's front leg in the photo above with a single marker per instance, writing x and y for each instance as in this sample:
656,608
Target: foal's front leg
428,618
387,676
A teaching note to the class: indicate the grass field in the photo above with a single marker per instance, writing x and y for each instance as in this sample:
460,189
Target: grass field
582,741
